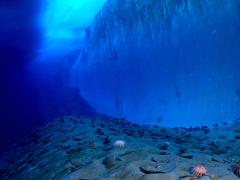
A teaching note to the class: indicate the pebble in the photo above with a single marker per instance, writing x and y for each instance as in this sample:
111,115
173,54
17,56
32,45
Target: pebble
80,152
150,169
186,155
164,146
217,159
107,140
76,162
204,178
109,161
73,150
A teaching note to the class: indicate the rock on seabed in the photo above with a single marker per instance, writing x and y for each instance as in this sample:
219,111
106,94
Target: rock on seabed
60,150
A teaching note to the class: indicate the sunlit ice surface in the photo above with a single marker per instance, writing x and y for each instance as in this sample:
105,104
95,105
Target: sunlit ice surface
63,23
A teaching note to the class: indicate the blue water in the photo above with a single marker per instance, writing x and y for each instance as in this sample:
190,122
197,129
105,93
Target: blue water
173,64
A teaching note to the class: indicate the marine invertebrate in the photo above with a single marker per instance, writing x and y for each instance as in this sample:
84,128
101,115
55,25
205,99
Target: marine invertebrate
119,144
236,169
199,170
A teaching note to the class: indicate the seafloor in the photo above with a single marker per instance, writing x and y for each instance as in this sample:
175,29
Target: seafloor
83,148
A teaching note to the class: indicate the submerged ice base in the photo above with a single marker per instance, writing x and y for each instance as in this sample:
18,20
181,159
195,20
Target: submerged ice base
170,62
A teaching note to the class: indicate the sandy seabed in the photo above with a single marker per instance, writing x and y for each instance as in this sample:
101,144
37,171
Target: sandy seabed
78,148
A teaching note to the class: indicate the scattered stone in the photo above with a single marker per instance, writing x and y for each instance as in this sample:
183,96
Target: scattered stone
108,148
182,150
109,161
218,151
74,150
99,131
186,155
76,138
62,150
225,123
201,139
217,159
92,144
164,146
204,178
112,129
150,169
46,141
156,177
213,143
158,160
185,176
118,159
237,137
107,140
76,162
163,153
180,140
236,130
222,137
213,177
232,140
205,129
64,146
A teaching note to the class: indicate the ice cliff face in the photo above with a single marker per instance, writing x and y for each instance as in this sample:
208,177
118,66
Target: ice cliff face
171,61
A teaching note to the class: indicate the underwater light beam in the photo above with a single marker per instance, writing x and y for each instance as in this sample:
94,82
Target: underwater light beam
63,22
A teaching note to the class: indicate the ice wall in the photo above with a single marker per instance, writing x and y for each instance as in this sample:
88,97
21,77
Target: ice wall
174,62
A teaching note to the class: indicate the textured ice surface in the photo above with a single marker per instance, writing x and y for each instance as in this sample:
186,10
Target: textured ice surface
64,21
174,62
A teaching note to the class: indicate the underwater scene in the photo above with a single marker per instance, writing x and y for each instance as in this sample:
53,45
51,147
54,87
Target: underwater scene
120,90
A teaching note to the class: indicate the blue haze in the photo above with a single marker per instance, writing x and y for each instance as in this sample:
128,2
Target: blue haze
39,42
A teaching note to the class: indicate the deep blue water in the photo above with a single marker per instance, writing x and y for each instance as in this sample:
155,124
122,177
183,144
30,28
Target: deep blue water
19,39
31,92
174,66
